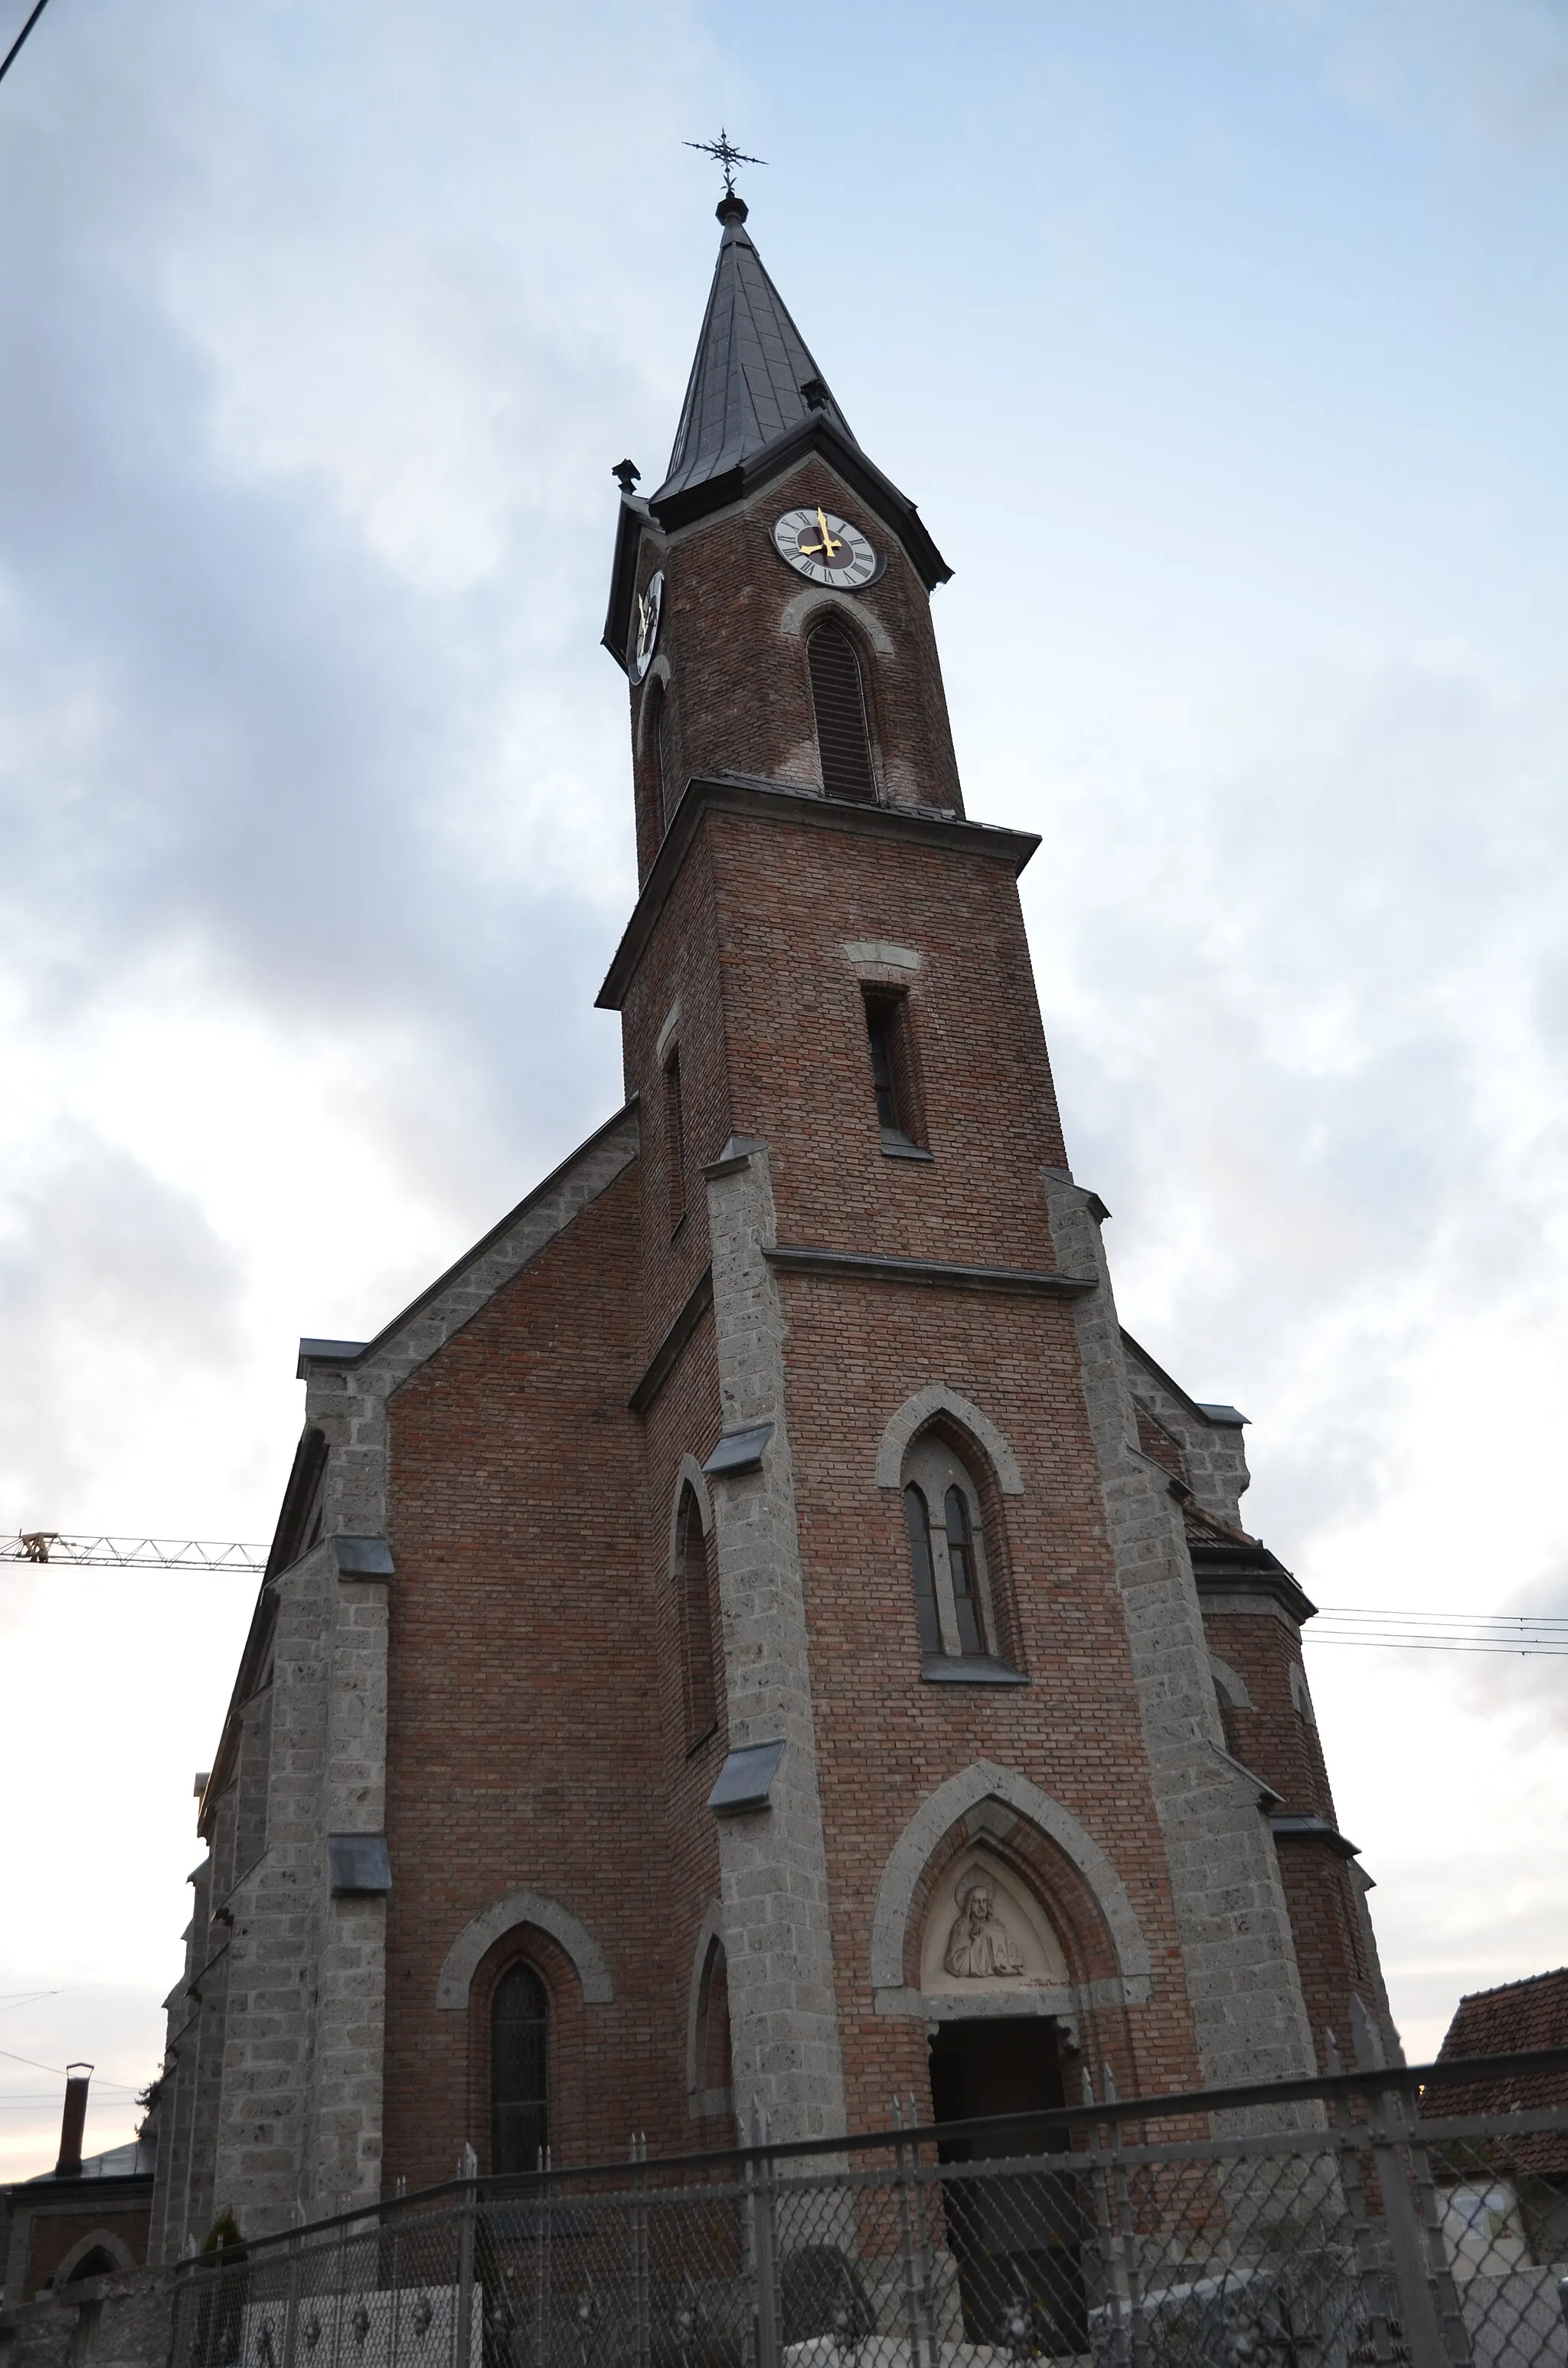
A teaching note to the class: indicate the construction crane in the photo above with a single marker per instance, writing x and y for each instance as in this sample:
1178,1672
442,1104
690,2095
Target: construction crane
133,1553
1527,1634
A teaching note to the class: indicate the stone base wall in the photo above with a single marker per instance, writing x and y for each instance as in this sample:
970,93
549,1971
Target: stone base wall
116,2322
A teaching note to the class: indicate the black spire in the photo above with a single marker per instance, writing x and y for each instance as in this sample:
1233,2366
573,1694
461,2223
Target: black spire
749,382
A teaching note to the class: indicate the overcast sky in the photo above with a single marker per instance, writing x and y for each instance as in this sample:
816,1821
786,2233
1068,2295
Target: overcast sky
1223,347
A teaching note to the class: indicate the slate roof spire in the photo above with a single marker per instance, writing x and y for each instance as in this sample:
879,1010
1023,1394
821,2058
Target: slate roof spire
755,377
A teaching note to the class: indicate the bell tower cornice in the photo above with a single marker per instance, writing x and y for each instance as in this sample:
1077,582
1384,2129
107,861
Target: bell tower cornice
772,802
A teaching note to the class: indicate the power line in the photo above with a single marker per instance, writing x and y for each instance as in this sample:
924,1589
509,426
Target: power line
1532,1634
10,58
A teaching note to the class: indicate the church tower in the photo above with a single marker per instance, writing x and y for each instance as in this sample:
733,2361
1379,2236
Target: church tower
756,1633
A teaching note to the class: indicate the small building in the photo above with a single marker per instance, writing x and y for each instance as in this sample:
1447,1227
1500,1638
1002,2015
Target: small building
1511,2020
82,2219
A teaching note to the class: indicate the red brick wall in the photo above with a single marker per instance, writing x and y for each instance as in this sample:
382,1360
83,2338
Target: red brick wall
523,1691
55,2234
739,700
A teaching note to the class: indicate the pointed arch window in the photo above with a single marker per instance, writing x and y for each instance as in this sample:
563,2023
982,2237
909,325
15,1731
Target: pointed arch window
694,1583
519,2070
838,697
958,1615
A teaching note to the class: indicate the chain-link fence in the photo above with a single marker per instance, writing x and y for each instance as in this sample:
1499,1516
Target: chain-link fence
1325,2224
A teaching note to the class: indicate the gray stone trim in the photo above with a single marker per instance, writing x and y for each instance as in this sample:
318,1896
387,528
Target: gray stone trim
116,2250
1243,1983
1229,1682
1042,1282
506,1914
773,1865
1062,2001
918,1411
690,1475
977,1788
711,1928
798,613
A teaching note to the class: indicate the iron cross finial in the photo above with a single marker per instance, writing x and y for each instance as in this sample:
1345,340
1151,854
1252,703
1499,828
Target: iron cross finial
725,154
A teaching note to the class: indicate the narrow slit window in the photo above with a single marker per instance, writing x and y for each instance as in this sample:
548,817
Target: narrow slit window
698,1674
519,2066
838,695
893,1068
926,1619
674,1140
664,753
962,1563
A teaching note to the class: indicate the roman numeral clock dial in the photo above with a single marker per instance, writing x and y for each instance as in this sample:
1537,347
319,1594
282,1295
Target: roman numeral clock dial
826,550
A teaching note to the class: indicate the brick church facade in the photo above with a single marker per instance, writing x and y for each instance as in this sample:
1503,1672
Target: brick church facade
756,1633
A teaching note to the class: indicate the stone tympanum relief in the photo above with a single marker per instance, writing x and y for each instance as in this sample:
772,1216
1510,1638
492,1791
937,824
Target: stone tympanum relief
984,1933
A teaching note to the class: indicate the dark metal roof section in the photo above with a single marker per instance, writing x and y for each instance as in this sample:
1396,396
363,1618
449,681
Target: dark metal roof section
745,388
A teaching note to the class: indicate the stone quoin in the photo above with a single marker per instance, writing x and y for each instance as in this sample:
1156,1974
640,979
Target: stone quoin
757,1631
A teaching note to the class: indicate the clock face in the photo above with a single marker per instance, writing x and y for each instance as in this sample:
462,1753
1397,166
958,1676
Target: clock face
649,609
826,550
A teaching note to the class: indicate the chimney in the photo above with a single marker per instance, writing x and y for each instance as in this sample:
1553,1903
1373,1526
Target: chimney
71,2121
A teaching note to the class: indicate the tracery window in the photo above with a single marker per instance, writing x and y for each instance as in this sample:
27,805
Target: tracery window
956,1614
838,697
519,2070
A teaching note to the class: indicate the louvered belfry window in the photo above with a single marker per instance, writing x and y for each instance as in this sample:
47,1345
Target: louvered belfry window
838,694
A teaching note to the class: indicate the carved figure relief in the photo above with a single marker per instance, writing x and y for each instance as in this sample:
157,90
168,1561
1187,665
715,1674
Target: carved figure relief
984,1933
980,1944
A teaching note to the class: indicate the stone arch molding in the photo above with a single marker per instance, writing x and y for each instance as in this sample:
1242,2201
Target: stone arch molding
806,608
518,1907
690,1475
984,1782
918,1411
101,2239
711,1929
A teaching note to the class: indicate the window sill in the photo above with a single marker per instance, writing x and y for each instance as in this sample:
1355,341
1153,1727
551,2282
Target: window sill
898,1146
971,1669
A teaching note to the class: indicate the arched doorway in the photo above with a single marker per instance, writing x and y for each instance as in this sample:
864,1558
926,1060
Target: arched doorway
1016,2241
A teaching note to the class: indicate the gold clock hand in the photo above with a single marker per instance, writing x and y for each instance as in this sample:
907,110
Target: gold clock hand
829,544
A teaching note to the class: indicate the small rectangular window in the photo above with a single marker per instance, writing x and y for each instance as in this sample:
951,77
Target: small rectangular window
675,1141
892,1069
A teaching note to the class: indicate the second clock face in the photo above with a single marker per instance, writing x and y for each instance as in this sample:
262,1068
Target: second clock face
825,549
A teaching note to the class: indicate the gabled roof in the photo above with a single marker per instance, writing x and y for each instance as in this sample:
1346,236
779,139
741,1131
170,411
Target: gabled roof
747,383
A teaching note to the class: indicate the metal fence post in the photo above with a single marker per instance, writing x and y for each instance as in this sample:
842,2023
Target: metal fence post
541,2274
462,2317
1137,2329
1367,2259
907,2242
765,2246
1385,2131
927,2252
642,2296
